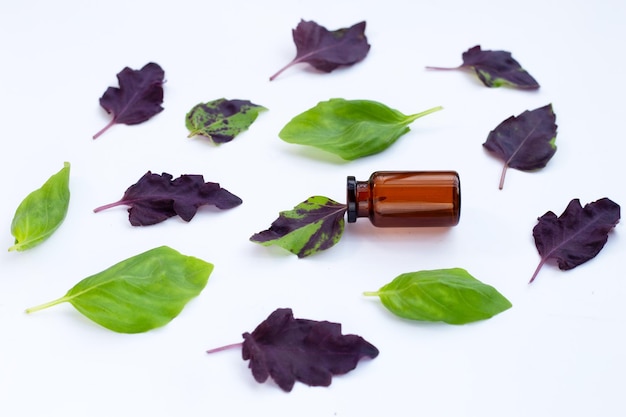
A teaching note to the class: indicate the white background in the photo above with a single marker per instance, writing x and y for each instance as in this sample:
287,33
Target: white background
558,352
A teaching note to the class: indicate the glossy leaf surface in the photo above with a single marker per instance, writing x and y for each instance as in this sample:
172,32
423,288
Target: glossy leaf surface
41,213
496,69
289,350
326,50
350,129
155,198
449,295
140,293
577,235
138,98
312,226
525,142
221,120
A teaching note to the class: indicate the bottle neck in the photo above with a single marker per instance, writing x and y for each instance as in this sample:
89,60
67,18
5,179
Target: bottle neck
358,197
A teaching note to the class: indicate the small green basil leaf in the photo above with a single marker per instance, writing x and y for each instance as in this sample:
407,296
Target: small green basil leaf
42,211
349,128
221,120
312,226
140,293
449,295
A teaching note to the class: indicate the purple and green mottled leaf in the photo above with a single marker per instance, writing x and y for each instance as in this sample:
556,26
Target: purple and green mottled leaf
496,69
525,142
289,350
577,235
326,50
312,226
221,120
155,198
138,97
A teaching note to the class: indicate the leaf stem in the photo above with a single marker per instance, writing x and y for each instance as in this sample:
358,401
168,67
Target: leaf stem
424,113
442,68
280,71
108,206
46,305
104,129
504,169
370,293
543,261
226,347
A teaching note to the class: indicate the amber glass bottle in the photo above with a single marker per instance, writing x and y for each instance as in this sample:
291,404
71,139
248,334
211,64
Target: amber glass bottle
406,199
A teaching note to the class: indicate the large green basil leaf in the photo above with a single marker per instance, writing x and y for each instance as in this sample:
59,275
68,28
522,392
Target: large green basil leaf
349,128
449,295
42,211
140,293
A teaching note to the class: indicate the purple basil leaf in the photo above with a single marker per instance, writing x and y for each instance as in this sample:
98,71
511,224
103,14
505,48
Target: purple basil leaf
289,350
155,198
496,69
312,226
525,142
326,50
138,97
577,235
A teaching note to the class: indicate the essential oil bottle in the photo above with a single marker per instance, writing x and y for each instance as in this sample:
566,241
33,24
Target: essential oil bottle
406,199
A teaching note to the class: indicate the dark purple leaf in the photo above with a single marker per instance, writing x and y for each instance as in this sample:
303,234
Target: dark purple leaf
326,50
155,198
525,142
312,226
138,97
289,350
577,235
496,68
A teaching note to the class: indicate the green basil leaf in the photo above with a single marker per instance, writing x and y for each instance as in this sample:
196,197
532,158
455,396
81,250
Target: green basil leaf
42,211
312,226
449,295
140,293
221,120
349,128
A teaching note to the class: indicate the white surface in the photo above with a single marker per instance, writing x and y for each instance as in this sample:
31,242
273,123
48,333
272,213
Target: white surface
558,352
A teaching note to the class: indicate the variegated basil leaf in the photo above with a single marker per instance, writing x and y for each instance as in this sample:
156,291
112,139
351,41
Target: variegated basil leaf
496,69
221,120
312,226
